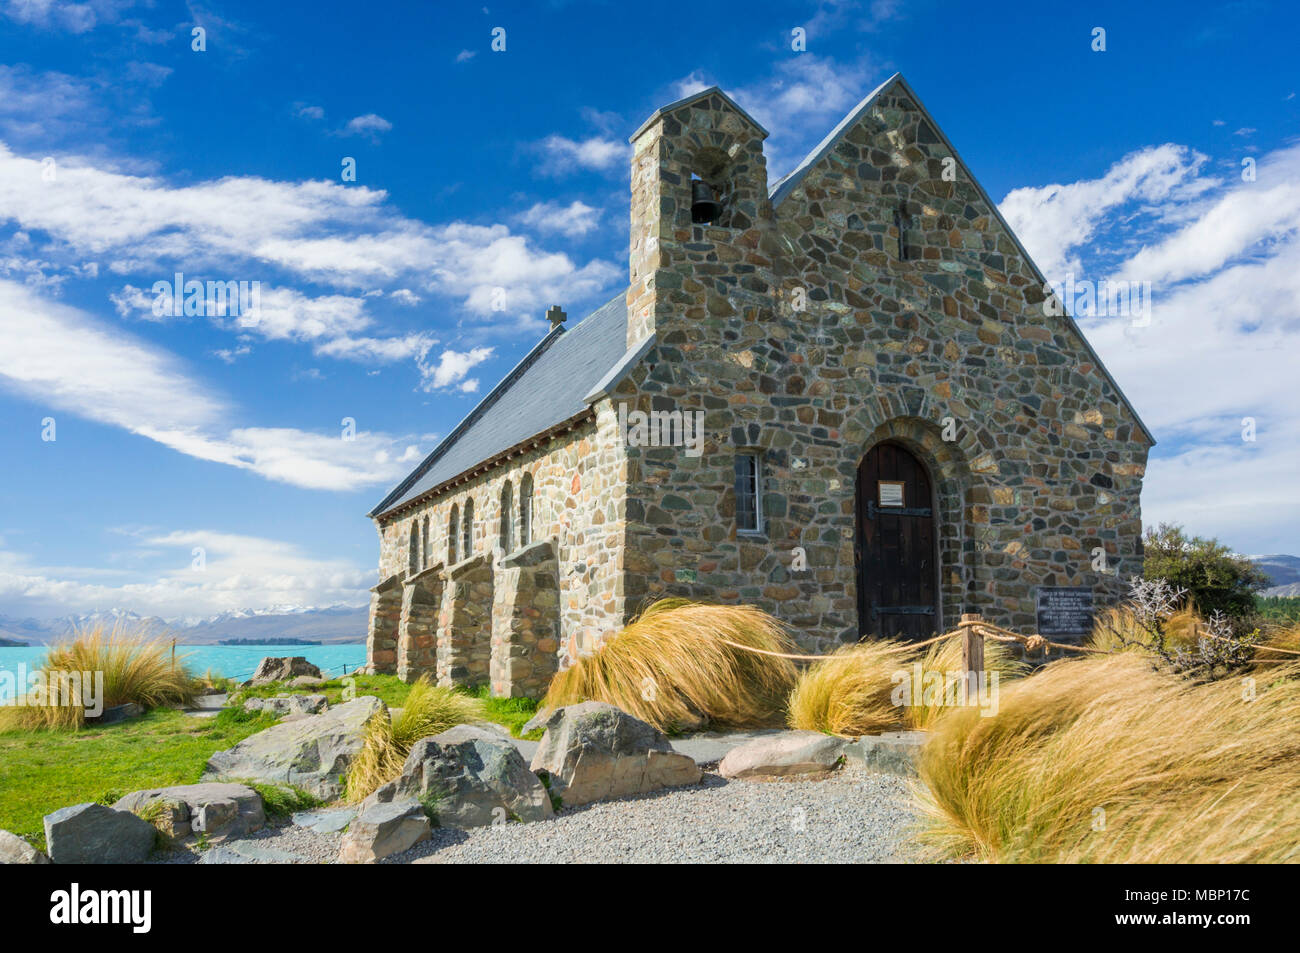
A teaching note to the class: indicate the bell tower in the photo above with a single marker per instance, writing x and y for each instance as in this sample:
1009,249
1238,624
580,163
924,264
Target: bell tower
700,217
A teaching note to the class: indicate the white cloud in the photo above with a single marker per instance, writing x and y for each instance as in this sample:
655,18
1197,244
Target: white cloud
367,125
452,367
240,571
341,236
576,218
61,360
561,155
1053,221
464,56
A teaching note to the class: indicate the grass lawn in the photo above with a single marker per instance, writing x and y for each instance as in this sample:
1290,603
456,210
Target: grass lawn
42,771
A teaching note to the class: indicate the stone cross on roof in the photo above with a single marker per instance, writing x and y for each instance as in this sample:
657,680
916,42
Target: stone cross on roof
555,315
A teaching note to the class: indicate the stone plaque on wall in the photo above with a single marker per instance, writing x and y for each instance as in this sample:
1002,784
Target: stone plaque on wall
1064,610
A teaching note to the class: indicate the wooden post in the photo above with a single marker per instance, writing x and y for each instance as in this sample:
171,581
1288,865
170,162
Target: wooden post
972,657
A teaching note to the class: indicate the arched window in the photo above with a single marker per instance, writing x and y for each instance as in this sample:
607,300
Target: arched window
413,558
453,534
428,545
507,517
468,529
526,509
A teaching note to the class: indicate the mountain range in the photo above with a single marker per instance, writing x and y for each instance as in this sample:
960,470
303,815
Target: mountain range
328,625
1283,571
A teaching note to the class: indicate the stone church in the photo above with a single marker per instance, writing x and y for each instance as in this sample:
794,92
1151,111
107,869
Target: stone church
843,397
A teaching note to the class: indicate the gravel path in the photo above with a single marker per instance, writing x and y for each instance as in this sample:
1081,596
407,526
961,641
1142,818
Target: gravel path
853,816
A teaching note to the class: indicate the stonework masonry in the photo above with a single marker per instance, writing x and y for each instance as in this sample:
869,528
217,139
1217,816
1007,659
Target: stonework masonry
875,296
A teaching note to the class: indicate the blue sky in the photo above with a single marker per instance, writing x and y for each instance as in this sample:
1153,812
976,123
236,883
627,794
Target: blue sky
490,184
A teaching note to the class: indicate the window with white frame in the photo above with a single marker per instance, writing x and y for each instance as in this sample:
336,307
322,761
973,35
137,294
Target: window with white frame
749,492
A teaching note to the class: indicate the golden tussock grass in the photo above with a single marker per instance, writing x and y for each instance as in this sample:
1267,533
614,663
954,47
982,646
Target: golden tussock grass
1108,760
1117,629
852,693
428,710
671,667
136,667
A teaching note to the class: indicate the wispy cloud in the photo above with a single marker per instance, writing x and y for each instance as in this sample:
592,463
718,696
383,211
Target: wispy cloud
62,360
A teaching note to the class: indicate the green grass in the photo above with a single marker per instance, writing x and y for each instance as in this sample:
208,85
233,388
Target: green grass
42,771
388,688
514,713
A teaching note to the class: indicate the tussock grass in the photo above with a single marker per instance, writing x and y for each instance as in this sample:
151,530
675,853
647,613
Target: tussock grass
1278,637
849,693
427,710
672,668
1118,629
136,668
1109,760
853,693
944,658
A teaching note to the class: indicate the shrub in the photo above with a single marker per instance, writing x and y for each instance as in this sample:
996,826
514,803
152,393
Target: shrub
673,668
136,668
429,710
1214,577
1109,760
1158,620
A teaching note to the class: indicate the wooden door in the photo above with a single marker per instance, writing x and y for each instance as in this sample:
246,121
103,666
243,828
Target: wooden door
895,547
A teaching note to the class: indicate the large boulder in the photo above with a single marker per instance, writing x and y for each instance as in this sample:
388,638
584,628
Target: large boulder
384,829
313,753
219,810
282,705
594,752
272,669
15,850
783,755
471,776
95,834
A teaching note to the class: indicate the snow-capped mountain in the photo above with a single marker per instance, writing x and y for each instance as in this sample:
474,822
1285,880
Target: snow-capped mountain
307,623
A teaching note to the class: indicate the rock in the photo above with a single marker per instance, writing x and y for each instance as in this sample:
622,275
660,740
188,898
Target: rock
15,850
782,755
312,753
381,830
537,722
95,834
325,821
249,852
123,712
477,777
594,751
306,681
282,705
219,810
890,752
283,669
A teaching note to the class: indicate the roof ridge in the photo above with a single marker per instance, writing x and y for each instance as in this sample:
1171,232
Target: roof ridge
687,100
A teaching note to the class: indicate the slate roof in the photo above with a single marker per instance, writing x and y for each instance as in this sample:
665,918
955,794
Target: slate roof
544,390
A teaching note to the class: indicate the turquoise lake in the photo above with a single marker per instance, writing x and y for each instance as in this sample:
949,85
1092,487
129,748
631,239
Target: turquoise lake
232,661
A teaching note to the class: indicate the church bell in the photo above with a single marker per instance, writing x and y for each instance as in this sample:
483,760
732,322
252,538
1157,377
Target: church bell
704,207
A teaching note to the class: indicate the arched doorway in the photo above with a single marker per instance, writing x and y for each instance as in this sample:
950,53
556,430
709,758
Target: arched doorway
895,546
